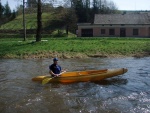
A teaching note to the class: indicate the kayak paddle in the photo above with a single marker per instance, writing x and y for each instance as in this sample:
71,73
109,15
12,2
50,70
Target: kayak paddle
46,80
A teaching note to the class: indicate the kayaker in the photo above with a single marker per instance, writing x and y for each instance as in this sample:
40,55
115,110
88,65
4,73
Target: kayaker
55,69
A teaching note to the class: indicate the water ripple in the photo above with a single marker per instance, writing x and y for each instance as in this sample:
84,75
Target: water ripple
128,93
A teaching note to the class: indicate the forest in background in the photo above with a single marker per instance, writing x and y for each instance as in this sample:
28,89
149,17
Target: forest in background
77,11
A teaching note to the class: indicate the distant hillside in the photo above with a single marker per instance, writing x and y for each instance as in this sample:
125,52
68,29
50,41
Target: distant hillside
31,22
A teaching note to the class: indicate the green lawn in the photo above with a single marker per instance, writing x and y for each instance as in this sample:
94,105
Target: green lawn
16,48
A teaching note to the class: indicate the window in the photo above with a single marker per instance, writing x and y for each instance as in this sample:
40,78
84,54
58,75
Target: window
102,31
87,32
135,32
111,31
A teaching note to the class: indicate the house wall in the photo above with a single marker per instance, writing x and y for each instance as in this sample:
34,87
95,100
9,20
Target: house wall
117,32
144,31
129,31
96,31
78,32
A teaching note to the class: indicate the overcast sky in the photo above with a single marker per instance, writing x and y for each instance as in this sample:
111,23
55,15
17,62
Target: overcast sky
121,4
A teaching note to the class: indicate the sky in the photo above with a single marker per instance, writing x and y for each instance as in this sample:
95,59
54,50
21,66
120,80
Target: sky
121,4
132,4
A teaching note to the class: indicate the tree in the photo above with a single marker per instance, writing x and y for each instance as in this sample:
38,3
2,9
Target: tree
31,3
13,14
7,10
39,21
85,11
70,20
19,10
95,9
1,10
63,18
95,6
108,7
80,11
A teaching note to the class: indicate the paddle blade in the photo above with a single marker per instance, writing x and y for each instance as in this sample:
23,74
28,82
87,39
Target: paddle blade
46,80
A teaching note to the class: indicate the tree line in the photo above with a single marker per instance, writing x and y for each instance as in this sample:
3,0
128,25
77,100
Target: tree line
84,9
6,14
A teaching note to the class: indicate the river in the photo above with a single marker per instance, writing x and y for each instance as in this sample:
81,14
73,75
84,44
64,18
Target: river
128,93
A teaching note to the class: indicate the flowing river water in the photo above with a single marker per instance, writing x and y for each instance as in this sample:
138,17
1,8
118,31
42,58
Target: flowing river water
128,93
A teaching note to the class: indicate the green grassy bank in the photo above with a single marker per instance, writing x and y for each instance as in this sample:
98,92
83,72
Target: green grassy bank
74,47
31,22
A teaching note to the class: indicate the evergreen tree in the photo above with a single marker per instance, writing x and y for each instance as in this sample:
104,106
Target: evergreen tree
87,10
80,11
95,9
13,14
7,10
95,6
1,10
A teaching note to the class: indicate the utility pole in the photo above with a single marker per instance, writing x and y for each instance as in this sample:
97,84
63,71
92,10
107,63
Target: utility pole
24,23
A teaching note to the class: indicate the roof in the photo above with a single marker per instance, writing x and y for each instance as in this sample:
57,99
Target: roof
141,18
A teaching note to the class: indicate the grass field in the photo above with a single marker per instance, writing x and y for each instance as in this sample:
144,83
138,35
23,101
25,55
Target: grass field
31,22
70,47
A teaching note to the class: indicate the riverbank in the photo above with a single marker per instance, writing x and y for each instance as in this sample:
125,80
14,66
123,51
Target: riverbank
74,47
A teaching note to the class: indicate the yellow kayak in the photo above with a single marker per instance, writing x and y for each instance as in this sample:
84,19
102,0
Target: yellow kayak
83,76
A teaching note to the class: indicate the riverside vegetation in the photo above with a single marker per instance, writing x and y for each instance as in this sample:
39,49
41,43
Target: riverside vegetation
76,47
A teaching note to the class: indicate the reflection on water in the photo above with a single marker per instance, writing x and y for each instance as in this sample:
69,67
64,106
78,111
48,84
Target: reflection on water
126,93
113,81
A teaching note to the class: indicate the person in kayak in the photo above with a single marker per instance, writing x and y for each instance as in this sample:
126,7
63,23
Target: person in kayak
55,69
